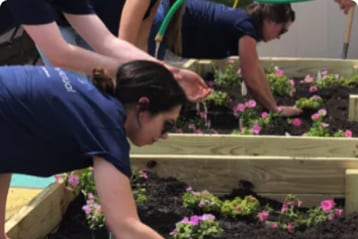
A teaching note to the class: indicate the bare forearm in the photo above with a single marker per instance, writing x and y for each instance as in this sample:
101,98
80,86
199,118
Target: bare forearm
260,89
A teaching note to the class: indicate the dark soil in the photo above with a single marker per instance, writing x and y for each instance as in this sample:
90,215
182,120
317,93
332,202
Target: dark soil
336,103
164,209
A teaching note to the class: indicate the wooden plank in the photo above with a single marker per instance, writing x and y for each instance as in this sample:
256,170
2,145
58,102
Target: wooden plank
351,192
17,198
268,174
353,108
293,67
41,215
294,146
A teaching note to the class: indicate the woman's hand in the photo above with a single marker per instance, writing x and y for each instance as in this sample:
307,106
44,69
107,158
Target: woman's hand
194,86
289,111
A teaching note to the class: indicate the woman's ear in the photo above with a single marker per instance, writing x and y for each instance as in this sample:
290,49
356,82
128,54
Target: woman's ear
143,103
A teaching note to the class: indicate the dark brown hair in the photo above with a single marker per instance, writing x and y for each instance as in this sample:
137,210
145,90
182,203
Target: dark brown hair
141,78
278,13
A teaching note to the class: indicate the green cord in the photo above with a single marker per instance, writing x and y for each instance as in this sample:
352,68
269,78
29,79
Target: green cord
167,19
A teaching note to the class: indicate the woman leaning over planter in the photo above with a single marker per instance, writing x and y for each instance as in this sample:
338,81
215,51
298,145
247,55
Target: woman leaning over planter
54,121
211,30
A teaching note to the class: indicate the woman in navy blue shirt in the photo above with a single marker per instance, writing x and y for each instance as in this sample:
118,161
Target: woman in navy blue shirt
38,19
211,30
54,121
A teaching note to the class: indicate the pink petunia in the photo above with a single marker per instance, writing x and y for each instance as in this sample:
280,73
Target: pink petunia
315,116
338,212
203,115
284,207
73,180
313,89
348,133
264,115
194,220
308,79
274,226
278,72
250,104
256,129
297,122
263,216
239,108
327,205
290,227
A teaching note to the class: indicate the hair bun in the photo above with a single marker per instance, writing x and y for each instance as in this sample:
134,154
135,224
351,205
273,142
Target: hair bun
102,80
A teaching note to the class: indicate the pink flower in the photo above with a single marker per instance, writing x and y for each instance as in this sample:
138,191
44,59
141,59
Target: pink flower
73,180
348,133
315,116
313,89
192,126
207,217
264,115
59,178
327,205
278,72
239,108
179,130
290,227
292,82
284,207
199,131
143,174
322,112
330,217
250,104
263,216
338,212
308,79
201,203
185,220
194,220
86,209
274,226
256,129
203,115
238,208
297,122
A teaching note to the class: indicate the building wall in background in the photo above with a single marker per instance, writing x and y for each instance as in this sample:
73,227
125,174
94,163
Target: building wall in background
318,31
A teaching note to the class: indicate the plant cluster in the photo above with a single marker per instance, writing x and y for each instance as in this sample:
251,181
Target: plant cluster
252,119
83,180
197,227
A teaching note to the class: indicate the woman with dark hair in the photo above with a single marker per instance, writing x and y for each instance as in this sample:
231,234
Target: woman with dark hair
211,30
55,121
38,20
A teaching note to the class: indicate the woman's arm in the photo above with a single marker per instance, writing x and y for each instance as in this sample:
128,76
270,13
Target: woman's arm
255,79
133,27
254,75
118,204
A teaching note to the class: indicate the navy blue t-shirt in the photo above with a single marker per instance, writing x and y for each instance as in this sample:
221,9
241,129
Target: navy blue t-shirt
212,30
34,12
109,11
54,121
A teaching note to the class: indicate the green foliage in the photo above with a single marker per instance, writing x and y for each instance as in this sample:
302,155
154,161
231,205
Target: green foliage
218,98
280,85
228,75
315,102
197,227
204,200
240,207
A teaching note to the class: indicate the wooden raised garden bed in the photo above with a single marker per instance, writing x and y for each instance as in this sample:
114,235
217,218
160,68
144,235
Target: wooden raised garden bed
312,168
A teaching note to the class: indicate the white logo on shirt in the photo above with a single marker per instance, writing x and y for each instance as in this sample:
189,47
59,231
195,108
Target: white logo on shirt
65,80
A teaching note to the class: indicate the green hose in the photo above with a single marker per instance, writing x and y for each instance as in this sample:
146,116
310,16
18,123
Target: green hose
167,19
